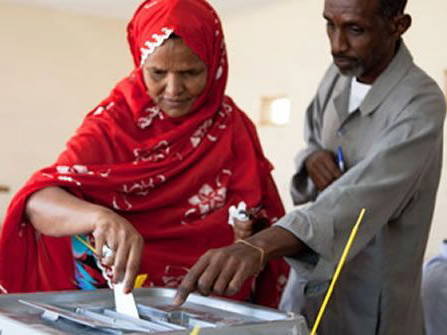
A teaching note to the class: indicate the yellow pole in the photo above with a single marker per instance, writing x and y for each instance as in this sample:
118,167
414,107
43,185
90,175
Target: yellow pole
337,272
84,242
195,331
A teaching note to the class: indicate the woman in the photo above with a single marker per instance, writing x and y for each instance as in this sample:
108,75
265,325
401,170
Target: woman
151,172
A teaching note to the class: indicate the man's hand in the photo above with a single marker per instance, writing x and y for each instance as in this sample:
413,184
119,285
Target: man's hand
220,271
322,169
223,271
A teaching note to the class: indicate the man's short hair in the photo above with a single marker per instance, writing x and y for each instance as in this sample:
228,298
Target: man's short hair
391,8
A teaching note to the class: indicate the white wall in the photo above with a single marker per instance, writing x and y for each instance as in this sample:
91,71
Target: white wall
54,67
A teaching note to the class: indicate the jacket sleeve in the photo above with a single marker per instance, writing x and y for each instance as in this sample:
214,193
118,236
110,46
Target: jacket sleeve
302,189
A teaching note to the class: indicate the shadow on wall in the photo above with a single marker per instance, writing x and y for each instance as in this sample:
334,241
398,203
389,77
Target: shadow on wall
445,83
3,189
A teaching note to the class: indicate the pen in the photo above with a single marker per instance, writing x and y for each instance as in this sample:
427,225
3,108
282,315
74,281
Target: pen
106,251
139,280
340,159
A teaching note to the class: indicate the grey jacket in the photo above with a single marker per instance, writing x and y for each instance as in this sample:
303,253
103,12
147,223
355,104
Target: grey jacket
393,150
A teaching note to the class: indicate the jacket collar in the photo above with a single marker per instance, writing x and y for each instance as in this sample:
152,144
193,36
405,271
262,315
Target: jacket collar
380,89
387,80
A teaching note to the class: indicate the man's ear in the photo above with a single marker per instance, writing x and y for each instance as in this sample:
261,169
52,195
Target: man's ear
401,23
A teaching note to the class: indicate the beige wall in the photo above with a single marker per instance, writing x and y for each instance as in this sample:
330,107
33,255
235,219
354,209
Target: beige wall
54,67
51,78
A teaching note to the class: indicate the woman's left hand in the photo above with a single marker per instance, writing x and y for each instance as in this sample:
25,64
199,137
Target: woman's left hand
242,229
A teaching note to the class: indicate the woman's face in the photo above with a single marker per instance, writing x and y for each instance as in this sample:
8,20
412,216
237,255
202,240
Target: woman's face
175,77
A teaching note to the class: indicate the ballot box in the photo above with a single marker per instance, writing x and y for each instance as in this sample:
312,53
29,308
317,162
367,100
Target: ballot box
93,312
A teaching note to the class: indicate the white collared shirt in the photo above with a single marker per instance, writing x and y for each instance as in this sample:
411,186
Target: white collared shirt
358,93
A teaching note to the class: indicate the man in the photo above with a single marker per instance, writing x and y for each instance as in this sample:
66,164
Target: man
386,116
434,293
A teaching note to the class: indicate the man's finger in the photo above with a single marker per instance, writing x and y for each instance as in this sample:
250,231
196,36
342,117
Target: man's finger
224,278
189,283
317,179
332,168
206,281
324,173
237,280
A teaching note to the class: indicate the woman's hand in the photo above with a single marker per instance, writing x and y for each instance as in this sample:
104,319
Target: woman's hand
255,221
126,243
242,229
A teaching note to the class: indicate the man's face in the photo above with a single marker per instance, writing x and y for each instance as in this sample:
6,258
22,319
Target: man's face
362,42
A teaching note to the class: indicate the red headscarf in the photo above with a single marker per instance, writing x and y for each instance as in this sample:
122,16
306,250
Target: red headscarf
172,178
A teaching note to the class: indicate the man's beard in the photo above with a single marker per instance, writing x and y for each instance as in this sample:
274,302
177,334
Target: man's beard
354,70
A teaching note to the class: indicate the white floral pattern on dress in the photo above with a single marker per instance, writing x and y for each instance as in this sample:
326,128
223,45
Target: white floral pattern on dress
157,40
78,169
143,187
66,173
149,5
208,198
155,154
70,180
212,138
3,290
206,129
227,108
146,121
225,173
100,109
120,203
200,133
219,71
73,169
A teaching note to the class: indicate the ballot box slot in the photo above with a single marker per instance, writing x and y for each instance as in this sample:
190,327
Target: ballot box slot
176,317
153,324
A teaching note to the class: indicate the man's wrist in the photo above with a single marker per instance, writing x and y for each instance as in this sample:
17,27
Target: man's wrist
277,242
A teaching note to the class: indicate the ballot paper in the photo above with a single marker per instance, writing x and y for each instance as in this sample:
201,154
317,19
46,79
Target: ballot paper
125,302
